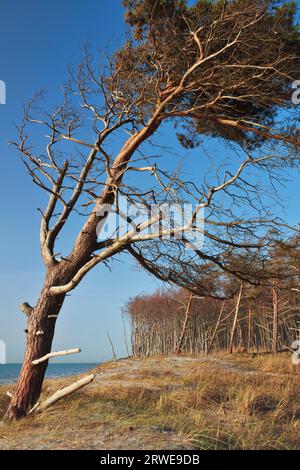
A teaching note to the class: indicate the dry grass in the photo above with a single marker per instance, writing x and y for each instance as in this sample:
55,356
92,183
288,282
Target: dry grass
229,402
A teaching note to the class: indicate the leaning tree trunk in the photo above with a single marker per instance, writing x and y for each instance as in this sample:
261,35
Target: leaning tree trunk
235,320
211,342
185,324
40,331
41,322
275,317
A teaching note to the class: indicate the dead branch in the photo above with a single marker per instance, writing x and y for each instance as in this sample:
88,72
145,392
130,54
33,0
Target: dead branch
62,393
25,308
56,354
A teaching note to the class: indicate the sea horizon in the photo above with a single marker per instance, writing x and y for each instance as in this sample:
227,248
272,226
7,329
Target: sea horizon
9,372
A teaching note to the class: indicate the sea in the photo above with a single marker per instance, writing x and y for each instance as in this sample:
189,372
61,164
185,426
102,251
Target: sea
9,372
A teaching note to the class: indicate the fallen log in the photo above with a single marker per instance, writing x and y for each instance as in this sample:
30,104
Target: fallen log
56,354
34,408
63,392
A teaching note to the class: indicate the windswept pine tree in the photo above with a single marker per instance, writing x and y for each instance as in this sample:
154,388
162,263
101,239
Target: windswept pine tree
212,69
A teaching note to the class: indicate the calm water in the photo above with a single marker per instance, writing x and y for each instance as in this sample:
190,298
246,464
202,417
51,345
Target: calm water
9,372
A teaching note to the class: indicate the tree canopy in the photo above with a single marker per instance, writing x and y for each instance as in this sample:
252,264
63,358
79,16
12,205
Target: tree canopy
234,60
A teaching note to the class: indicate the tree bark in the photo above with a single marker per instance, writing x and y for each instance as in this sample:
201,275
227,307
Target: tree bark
29,385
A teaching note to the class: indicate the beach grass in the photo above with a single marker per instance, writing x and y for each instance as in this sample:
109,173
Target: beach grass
220,402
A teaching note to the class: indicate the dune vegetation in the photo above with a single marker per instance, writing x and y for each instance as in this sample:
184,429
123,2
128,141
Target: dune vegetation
177,402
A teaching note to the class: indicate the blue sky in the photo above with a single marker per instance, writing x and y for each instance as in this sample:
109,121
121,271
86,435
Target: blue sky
37,42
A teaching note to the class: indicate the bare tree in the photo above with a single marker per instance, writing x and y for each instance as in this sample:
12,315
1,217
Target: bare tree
185,323
275,317
157,322
235,320
214,69
215,331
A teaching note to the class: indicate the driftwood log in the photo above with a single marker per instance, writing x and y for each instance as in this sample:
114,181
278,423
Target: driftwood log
63,392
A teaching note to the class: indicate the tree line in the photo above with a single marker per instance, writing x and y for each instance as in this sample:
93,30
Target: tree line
244,317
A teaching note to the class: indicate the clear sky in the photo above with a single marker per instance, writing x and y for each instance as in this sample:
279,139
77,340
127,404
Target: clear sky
38,39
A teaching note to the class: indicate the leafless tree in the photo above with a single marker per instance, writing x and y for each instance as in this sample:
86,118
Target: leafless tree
213,325
235,320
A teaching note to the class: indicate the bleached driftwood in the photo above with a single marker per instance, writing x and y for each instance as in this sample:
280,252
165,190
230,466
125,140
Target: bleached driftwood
56,354
63,392
34,408
296,358
295,348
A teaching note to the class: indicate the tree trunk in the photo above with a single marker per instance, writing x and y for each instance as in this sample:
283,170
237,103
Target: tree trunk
185,323
275,317
40,332
249,328
237,307
210,345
